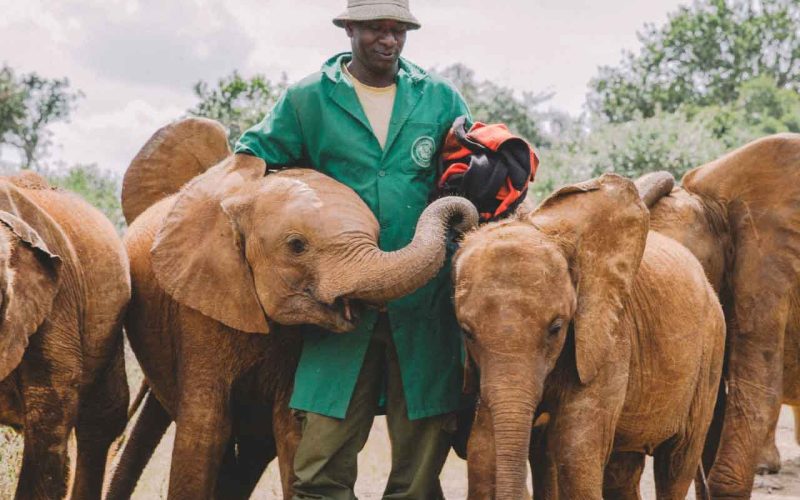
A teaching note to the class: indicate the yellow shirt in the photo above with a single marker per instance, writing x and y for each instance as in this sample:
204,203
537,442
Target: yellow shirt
377,103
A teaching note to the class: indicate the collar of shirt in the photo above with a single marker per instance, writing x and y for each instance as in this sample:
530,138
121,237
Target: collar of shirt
332,68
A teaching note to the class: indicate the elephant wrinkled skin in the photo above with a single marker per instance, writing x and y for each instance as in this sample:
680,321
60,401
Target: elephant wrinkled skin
740,216
578,315
234,255
64,284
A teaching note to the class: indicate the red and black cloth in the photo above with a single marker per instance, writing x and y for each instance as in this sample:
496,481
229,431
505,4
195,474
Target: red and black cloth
488,165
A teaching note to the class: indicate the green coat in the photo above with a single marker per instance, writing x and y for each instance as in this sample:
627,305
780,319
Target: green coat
319,122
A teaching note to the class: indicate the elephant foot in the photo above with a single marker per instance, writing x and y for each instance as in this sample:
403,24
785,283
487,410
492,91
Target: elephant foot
729,486
769,461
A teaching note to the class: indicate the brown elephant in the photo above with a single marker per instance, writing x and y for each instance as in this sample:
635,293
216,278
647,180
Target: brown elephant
577,312
64,284
237,254
740,216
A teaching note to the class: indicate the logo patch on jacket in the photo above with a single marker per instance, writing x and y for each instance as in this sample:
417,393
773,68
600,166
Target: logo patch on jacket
422,151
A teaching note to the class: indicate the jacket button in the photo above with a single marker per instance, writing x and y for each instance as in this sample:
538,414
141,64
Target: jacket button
382,173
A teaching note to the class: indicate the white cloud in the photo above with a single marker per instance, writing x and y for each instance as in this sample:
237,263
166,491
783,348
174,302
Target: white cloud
112,139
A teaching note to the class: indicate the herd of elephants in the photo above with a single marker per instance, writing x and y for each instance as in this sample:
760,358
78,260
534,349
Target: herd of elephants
618,319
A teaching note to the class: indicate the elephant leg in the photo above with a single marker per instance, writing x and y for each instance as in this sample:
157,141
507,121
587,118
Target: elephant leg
150,426
481,456
622,476
203,428
714,430
242,466
287,431
545,479
102,417
248,453
580,441
796,412
755,385
769,458
50,399
675,465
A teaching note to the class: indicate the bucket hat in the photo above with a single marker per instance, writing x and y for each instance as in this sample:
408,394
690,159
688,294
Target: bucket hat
368,10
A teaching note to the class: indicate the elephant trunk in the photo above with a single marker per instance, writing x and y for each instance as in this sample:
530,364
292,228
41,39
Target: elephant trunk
384,276
513,406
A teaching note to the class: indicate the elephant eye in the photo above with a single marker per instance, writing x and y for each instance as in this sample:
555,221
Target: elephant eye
467,334
555,326
297,244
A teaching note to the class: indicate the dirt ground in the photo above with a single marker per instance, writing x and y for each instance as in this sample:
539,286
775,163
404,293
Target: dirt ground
373,464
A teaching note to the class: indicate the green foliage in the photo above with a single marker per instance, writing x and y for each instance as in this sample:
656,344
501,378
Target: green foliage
761,109
12,103
675,142
238,103
701,57
666,141
28,104
490,103
100,188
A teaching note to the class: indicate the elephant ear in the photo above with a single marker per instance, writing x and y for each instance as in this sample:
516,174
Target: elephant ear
759,187
602,226
173,156
30,281
198,254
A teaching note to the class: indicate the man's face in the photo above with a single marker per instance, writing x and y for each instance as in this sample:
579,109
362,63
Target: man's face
377,44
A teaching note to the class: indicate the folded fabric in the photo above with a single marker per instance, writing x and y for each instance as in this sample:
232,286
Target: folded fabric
488,165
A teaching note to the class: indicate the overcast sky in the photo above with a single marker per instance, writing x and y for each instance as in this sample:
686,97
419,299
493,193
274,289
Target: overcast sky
136,60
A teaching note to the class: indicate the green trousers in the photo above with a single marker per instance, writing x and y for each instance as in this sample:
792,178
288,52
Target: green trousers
325,463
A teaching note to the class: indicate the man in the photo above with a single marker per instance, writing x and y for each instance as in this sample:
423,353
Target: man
375,122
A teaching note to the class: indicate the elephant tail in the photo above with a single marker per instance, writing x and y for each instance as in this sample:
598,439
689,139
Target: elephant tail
701,489
172,156
654,186
137,402
144,438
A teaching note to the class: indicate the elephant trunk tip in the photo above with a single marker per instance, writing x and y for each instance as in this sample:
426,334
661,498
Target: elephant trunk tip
460,214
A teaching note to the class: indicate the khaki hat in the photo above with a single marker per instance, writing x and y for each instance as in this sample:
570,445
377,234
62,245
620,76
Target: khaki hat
369,10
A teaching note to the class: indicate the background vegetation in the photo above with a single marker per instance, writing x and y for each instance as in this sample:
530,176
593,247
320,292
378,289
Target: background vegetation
716,75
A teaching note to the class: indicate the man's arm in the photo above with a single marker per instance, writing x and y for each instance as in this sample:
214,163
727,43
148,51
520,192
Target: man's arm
278,138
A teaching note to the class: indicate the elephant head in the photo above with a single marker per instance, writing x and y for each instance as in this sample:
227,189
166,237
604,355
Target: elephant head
29,281
546,287
291,247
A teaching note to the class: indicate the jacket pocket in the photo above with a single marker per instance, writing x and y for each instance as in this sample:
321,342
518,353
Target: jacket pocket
420,143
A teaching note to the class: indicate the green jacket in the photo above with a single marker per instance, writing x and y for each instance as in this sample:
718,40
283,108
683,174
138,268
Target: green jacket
319,122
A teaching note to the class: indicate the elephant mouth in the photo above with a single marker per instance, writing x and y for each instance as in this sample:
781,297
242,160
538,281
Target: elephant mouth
350,310
342,314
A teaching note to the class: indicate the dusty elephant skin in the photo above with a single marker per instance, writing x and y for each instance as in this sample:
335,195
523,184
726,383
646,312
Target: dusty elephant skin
577,312
233,256
740,216
64,283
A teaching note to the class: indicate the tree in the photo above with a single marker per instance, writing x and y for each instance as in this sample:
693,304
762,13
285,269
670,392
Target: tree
100,188
761,109
12,105
702,56
238,103
28,104
491,103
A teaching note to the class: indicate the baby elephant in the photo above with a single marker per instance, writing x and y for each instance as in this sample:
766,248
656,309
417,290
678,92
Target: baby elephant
578,312
64,286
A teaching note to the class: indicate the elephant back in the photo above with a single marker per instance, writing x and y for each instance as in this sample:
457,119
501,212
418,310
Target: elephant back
174,155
